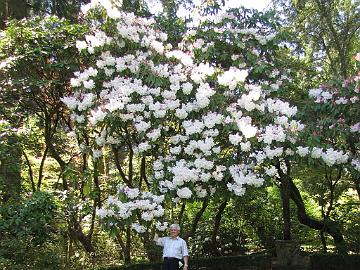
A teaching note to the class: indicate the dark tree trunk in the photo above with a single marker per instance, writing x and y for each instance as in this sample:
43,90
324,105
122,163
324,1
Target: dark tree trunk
196,220
118,158
327,226
127,251
217,223
323,241
125,245
181,213
77,234
285,199
12,9
357,185
41,169
97,183
121,243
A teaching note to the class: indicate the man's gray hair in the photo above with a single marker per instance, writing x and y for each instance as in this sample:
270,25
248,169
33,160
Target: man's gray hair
175,227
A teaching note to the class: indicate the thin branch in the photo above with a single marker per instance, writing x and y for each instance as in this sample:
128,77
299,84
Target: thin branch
197,219
41,169
30,171
143,172
181,213
118,166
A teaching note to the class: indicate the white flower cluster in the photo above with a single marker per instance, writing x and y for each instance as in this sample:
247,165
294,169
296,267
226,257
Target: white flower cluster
271,171
184,193
232,77
274,133
221,18
130,200
280,107
320,95
329,156
161,226
183,57
355,127
98,39
248,101
138,228
242,176
246,128
80,103
356,164
267,153
263,39
235,139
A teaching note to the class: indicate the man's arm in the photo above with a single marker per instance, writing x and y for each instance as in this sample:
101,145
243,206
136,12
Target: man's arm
186,262
158,240
185,254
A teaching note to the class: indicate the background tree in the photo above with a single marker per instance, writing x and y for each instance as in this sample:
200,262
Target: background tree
327,33
19,9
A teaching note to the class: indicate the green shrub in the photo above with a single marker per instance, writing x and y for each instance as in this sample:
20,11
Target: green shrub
27,234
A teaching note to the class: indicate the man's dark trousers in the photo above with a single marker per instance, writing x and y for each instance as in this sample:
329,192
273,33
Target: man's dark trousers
170,263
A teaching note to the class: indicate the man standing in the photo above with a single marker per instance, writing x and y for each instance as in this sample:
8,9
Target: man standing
175,249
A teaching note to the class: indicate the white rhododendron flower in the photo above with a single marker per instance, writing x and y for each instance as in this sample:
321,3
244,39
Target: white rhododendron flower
302,151
272,171
138,228
184,193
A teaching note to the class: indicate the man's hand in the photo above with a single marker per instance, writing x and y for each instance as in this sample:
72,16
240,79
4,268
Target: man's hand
156,237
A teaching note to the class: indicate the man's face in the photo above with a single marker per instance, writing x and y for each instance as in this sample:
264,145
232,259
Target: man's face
174,232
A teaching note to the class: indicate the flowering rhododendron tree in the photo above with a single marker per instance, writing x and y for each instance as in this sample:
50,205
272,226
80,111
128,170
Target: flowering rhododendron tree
328,150
201,117
336,105
332,153
198,119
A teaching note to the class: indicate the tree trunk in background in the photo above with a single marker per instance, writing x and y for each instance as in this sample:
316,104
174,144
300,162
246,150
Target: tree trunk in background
217,223
357,186
328,226
10,168
18,9
127,251
285,199
323,241
77,234
196,220
15,9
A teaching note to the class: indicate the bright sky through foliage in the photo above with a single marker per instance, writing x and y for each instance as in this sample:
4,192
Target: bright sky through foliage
257,4
155,5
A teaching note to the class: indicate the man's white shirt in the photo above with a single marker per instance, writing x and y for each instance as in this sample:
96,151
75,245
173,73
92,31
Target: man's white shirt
175,248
